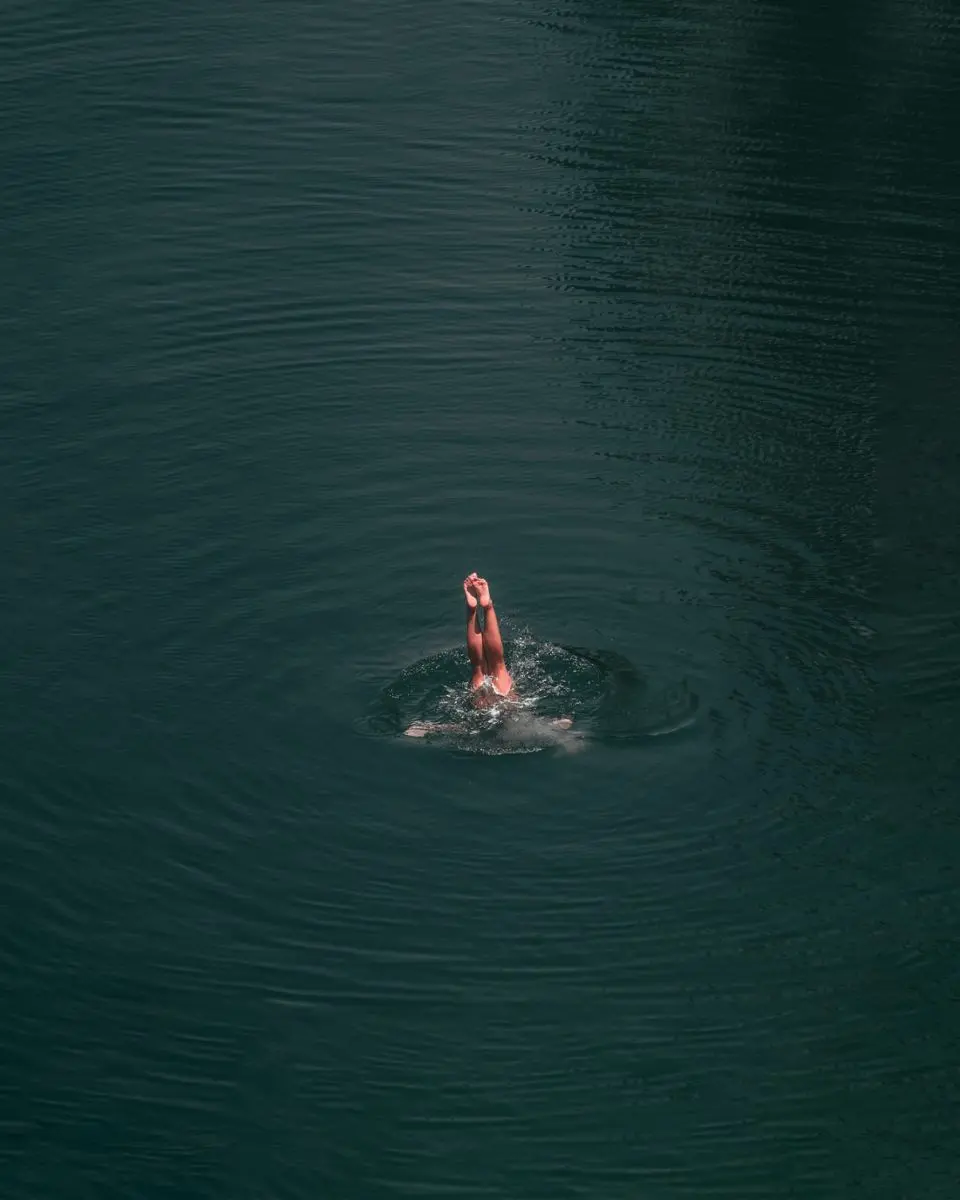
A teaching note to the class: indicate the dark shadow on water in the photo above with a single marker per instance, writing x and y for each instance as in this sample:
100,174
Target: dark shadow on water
610,701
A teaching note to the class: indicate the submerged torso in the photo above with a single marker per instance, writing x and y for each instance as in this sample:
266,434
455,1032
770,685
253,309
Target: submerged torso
486,694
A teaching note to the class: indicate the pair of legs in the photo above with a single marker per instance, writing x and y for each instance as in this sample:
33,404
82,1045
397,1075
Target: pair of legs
484,645
490,680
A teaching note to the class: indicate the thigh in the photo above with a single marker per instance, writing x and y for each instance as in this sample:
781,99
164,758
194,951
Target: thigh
503,682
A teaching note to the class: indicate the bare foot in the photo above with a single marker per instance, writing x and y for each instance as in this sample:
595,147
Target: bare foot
482,591
562,722
468,592
422,728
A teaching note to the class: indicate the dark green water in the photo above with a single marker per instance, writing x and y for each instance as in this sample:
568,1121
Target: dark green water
652,314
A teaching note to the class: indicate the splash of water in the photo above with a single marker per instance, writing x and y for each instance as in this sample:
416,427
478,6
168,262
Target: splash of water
604,695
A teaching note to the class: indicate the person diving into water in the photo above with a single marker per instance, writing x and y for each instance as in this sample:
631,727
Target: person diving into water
491,684
490,678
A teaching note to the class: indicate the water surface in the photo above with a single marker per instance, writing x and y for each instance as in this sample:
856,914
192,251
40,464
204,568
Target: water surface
651,317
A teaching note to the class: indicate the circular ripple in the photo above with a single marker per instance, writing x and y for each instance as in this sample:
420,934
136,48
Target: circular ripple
609,699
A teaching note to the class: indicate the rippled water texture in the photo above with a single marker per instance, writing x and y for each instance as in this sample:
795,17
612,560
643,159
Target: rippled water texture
647,312
566,698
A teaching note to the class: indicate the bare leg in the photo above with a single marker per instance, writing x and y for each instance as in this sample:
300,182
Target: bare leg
492,642
421,729
474,636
